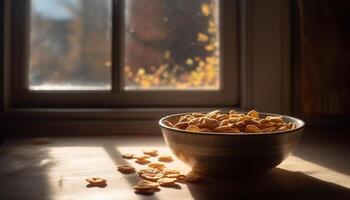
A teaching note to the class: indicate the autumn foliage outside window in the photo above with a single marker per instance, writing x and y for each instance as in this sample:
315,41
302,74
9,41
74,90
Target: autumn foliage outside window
167,45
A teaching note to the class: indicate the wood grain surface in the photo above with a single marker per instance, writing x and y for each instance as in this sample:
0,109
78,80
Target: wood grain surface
56,168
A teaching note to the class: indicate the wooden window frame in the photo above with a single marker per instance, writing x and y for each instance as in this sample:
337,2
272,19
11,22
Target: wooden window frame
260,63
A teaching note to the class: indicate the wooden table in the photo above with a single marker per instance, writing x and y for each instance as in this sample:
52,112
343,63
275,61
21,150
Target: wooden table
319,169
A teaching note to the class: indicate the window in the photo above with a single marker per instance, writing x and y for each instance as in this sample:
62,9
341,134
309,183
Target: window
112,61
156,58
70,45
139,53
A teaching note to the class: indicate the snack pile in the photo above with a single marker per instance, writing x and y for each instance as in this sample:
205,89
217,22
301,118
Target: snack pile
232,122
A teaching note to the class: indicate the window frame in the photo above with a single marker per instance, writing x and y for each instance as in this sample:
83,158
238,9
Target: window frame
255,61
22,97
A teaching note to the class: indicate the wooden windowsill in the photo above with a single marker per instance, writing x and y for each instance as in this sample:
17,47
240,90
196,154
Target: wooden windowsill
318,169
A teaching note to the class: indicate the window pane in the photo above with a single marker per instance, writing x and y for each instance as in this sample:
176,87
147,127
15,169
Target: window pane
70,45
172,45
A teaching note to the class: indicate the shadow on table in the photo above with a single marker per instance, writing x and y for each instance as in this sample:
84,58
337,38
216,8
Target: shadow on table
328,147
276,184
23,175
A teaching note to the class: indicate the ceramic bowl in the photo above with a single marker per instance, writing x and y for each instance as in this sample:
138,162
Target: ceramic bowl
223,154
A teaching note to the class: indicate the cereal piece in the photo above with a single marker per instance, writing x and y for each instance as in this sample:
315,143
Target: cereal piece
148,184
172,175
142,161
253,113
156,165
167,182
149,171
152,177
267,124
234,130
252,129
126,169
222,128
181,125
221,117
197,115
253,122
142,157
240,124
205,130
193,128
211,123
232,112
269,129
146,187
194,121
278,125
96,182
277,119
244,118
152,152
166,122
168,171
128,155
185,118
224,122
290,126
211,114
165,158
233,119
282,128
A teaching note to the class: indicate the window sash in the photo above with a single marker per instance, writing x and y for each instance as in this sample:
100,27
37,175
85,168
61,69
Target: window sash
21,97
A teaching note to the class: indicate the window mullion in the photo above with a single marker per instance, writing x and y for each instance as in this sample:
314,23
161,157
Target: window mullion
117,46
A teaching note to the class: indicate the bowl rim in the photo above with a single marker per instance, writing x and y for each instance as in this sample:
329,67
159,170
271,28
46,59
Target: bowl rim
299,121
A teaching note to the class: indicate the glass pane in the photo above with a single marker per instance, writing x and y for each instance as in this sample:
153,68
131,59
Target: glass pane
172,45
70,45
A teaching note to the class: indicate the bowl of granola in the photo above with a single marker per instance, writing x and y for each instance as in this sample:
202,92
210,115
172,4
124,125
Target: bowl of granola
231,143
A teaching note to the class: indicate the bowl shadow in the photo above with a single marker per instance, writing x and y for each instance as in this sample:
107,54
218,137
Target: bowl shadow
275,184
